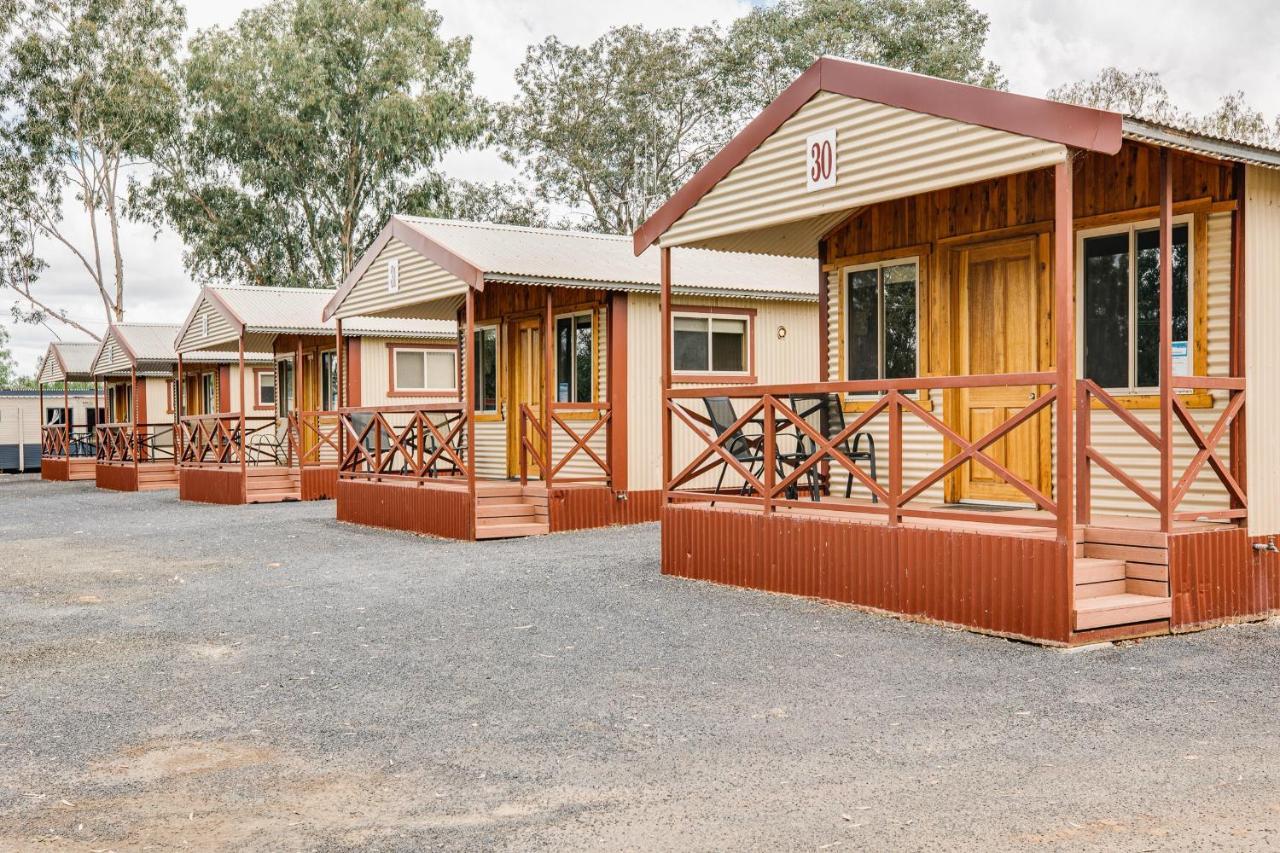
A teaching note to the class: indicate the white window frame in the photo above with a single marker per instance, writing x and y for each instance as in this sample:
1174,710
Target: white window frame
396,387
573,380
710,316
1132,229
497,369
878,266
258,376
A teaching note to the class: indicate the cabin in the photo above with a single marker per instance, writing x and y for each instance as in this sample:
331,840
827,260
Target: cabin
263,375
67,433
1041,325
137,441
559,427
20,426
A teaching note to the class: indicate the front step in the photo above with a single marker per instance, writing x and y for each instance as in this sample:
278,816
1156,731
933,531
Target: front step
1106,595
508,510
510,531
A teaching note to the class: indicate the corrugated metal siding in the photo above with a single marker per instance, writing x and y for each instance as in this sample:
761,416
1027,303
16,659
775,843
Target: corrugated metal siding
421,281
220,330
1006,584
586,507
211,485
882,153
491,449
1215,576
422,509
159,408
1262,345
374,381
793,358
112,357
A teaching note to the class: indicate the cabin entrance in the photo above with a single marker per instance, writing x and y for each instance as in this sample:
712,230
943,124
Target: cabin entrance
524,372
998,302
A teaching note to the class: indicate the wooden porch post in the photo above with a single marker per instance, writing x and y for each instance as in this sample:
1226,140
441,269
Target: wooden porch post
665,307
1166,342
244,463
297,402
66,421
468,406
1065,362
133,415
343,397
617,379
179,392
548,384
1239,464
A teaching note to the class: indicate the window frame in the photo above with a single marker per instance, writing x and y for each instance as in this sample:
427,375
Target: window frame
209,396
846,330
710,314
1132,228
393,385
595,361
258,373
494,414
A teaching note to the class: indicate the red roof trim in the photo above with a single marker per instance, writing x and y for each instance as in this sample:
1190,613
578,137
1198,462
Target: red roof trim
420,243
1067,124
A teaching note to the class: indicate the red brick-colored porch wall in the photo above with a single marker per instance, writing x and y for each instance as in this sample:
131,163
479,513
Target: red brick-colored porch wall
211,485
318,483
117,478
587,507
417,509
1014,586
1215,576
54,469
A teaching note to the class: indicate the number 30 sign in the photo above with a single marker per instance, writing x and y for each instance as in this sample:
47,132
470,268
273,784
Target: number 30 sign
820,159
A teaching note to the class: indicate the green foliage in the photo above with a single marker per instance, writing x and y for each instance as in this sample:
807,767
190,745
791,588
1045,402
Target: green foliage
85,93
506,203
309,122
1143,94
619,124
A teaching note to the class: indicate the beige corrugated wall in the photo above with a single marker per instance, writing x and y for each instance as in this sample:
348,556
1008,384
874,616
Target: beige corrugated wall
1262,346
220,330
374,381
883,153
793,358
923,446
420,280
112,357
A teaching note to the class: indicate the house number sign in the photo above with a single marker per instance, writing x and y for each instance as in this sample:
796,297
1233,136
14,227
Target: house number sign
820,158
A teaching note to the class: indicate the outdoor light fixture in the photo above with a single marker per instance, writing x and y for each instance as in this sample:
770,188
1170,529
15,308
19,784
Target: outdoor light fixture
782,332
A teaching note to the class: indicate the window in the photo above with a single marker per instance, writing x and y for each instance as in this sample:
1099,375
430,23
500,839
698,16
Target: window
329,380
485,394
881,321
417,369
209,393
393,275
266,388
284,382
575,358
711,343
1119,306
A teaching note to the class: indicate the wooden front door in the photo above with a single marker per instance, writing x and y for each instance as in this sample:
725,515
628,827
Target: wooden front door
525,376
998,330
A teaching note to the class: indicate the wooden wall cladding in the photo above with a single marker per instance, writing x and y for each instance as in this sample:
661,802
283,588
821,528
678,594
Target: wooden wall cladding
435,512
319,483
116,478
211,485
587,507
1007,585
1216,576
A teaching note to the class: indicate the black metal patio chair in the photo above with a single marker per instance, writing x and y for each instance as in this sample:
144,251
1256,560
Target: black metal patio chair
825,414
746,444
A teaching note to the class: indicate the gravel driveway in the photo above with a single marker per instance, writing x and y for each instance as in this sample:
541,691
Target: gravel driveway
175,675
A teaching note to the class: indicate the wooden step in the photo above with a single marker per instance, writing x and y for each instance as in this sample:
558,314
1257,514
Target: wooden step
509,531
1121,609
505,510
268,497
1091,570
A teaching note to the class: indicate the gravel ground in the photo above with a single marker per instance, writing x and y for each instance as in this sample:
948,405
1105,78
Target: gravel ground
263,677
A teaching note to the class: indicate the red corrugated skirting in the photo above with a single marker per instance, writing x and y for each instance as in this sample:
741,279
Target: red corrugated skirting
586,507
63,469
54,470
211,485
319,483
117,478
1014,586
1215,577
434,511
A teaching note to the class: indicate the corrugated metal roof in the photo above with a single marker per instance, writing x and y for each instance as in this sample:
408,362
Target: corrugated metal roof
1196,142
77,357
149,341
546,255
295,310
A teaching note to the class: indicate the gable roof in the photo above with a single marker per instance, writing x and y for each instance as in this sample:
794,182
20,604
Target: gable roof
1196,142
146,346
478,252
70,360
1021,115
269,311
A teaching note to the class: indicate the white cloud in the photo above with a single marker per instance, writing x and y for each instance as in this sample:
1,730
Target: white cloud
1201,49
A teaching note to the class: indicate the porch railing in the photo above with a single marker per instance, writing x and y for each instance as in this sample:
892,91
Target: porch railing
1167,498
781,460
215,440
412,442
313,438
57,442
126,443
579,423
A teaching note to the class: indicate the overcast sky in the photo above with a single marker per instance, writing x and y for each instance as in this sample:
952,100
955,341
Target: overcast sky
1202,50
